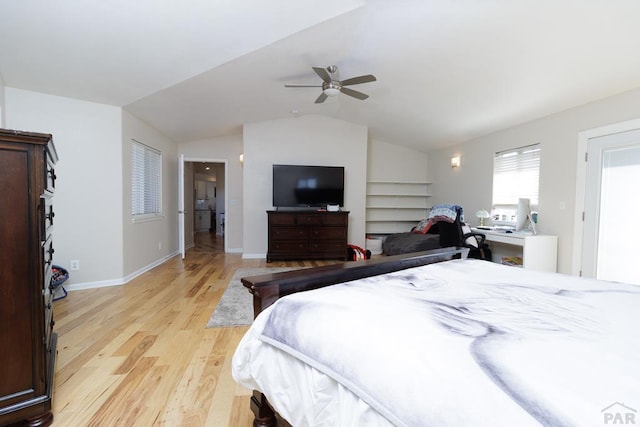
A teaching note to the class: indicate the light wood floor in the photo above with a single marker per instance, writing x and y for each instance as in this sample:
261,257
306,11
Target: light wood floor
139,354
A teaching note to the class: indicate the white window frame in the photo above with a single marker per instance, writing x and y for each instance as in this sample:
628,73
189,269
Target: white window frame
146,182
516,174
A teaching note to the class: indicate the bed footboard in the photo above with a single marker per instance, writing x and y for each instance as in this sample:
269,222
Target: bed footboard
267,288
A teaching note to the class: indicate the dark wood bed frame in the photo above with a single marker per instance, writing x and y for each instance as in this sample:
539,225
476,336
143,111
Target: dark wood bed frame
267,288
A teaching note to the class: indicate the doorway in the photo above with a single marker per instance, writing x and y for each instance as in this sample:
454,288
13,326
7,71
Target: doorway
203,205
609,234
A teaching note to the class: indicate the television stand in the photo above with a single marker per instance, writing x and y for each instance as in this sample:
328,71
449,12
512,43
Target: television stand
307,235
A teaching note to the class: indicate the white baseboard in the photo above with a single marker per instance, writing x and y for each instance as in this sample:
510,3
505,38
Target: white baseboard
94,285
254,256
121,281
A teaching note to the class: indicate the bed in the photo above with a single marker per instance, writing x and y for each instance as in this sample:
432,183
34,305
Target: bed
427,339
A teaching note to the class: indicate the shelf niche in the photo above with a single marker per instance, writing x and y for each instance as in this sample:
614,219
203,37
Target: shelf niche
396,206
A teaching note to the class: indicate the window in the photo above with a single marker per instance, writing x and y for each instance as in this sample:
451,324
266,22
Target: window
515,176
146,181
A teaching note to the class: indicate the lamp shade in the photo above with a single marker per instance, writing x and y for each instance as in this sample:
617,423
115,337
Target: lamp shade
482,214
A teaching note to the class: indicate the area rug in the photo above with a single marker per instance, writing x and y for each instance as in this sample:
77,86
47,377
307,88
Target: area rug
236,305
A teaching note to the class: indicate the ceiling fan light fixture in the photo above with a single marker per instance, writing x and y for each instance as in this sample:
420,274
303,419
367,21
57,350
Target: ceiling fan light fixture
331,91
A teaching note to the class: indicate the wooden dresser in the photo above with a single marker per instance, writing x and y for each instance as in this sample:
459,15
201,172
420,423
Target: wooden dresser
307,235
27,340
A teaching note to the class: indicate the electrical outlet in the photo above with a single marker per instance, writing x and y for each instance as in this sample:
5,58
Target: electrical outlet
159,246
74,265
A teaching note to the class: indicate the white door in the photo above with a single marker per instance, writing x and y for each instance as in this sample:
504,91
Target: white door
181,213
611,202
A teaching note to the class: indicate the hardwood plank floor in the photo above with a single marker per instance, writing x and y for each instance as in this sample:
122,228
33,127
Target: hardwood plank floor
139,354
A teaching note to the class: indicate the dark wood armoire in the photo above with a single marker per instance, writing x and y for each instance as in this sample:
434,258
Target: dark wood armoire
27,340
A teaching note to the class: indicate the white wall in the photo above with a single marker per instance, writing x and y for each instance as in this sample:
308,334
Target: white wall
470,185
227,149
88,199
2,103
145,243
308,140
92,201
390,162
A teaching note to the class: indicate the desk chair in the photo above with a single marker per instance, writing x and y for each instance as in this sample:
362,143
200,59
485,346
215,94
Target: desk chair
457,233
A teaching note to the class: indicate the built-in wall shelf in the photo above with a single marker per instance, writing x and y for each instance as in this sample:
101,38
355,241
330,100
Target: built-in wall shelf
396,206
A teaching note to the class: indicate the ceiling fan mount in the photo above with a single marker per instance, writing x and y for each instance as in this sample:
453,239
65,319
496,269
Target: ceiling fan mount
331,86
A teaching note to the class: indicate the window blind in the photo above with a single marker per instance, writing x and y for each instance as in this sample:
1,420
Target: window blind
516,175
146,190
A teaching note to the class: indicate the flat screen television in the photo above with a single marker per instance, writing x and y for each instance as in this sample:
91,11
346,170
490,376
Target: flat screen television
298,186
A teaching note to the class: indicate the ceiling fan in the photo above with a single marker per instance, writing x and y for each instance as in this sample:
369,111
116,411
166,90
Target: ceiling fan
331,86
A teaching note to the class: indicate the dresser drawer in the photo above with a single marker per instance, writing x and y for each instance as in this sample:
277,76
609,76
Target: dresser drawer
289,247
329,233
282,218
47,214
307,219
289,233
48,274
330,247
51,160
51,180
335,219
47,252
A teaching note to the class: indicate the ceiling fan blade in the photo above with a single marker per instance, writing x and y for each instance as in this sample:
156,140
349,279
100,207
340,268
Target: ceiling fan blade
323,74
357,80
321,98
299,85
354,93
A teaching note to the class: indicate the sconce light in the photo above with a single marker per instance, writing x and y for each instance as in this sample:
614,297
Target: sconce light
482,214
241,158
455,161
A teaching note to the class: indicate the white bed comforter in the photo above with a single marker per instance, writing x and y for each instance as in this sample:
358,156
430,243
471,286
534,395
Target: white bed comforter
460,343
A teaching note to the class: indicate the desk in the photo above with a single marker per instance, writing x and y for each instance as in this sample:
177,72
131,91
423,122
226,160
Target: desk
538,251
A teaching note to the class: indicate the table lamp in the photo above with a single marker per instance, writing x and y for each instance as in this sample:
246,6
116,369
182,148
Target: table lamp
482,214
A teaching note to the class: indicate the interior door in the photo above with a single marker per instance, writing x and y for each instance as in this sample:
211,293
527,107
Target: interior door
610,235
181,212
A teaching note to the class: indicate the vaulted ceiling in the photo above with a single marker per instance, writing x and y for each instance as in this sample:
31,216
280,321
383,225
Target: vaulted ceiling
447,70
